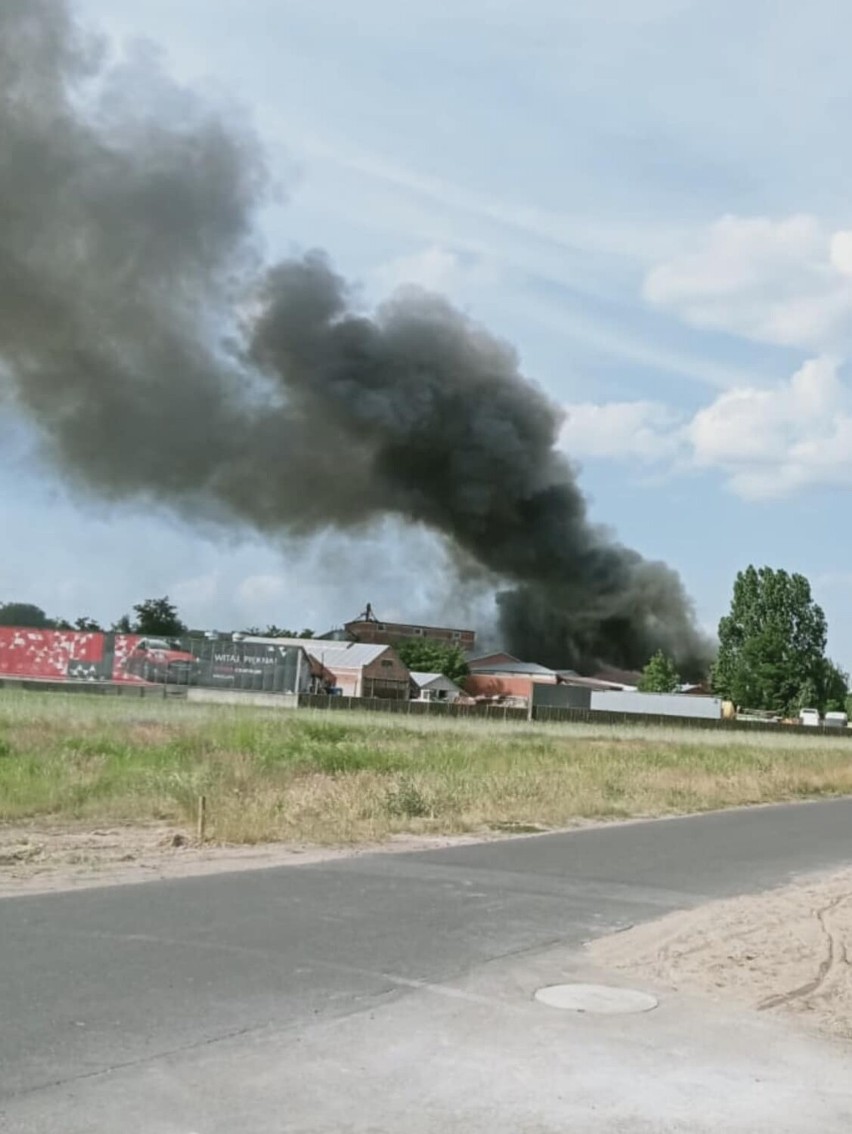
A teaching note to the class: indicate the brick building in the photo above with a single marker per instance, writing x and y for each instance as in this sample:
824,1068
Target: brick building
368,629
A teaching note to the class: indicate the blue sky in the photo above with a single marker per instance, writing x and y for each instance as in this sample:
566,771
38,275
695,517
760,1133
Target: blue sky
647,197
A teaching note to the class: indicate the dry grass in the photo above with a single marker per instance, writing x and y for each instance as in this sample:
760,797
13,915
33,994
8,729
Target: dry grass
334,778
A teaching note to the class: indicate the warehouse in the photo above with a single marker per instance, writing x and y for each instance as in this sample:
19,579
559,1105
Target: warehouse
352,669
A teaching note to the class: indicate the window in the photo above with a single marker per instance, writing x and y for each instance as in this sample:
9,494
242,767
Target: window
387,664
419,631
456,635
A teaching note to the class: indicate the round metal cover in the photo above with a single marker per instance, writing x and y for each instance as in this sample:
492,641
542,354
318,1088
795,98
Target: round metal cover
600,999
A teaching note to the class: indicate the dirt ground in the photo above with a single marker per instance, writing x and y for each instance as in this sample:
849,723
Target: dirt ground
39,859
786,951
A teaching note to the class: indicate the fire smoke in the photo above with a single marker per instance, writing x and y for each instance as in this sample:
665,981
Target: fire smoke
126,258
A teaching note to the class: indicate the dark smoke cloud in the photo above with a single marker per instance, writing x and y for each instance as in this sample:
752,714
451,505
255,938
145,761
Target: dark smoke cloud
126,209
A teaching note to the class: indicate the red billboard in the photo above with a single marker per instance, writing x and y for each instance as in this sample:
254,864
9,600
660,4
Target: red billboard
75,655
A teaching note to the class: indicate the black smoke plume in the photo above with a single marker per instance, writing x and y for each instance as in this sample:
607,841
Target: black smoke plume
159,361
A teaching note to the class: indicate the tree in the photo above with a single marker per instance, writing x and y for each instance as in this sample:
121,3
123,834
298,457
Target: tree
835,688
86,624
24,614
425,655
158,617
772,645
123,625
659,675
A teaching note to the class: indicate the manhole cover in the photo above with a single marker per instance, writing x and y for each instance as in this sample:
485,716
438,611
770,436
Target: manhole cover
601,999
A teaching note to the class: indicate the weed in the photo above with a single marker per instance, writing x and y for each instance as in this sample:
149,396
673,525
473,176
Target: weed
271,774
404,799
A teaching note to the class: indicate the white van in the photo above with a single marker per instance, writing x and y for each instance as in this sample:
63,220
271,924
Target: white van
836,720
809,717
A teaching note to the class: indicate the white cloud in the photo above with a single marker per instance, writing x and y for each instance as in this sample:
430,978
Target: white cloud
644,431
770,443
767,443
841,252
786,282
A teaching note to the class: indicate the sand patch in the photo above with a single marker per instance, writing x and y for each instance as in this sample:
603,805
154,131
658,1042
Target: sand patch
40,859
786,951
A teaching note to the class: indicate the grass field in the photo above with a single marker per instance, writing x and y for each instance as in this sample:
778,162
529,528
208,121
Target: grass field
335,778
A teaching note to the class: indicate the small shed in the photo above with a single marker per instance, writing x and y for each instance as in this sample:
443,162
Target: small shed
433,687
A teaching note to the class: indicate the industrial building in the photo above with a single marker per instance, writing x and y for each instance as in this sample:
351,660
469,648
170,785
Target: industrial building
501,676
351,669
368,628
504,678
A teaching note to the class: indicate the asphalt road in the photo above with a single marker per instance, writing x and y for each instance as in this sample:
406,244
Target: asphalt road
141,986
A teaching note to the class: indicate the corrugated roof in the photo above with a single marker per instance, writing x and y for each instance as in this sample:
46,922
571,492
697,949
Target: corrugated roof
522,667
427,678
348,655
569,677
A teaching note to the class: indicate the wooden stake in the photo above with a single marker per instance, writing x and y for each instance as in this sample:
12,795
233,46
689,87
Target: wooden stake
202,816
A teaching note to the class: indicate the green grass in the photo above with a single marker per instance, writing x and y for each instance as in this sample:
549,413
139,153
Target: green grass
346,777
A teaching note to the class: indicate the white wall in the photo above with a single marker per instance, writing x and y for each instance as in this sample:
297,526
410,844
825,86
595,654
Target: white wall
661,704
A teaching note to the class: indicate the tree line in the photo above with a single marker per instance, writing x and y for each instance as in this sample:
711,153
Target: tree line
151,616
157,617
771,655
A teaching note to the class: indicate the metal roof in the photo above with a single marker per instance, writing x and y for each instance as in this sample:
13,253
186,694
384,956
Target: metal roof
427,678
347,655
570,677
521,667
